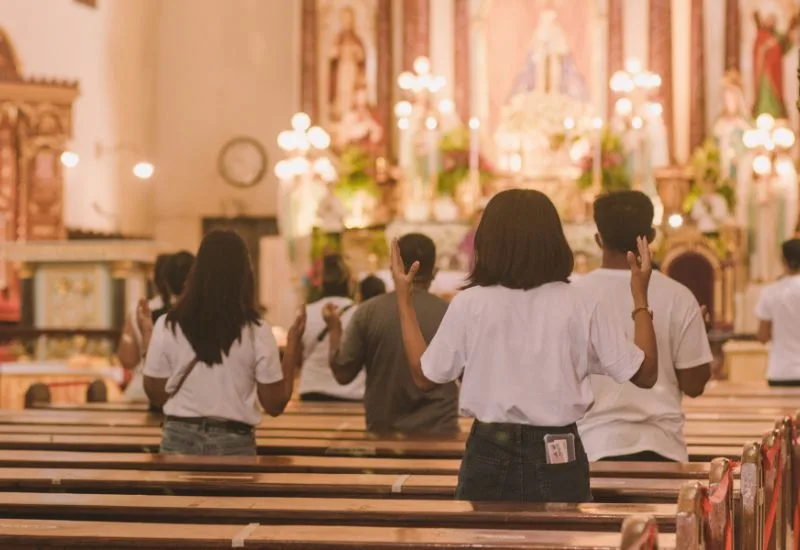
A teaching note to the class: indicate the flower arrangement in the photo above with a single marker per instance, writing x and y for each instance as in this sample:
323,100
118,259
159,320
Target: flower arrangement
538,113
614,173
707,169
454,148
355,169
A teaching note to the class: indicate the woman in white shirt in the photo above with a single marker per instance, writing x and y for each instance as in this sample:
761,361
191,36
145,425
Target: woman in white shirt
212,356
525,342
316,379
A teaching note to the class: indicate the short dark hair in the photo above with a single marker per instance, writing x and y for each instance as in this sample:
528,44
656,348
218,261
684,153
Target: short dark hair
370,287
622,217
335,276
159,282
176,271
416,247
791,254
219,300
520,243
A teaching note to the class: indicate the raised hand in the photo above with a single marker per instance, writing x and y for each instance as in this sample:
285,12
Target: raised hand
298,328
641,269
330,314
403,282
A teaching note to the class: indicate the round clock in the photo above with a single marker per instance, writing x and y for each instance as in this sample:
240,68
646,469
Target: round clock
242,162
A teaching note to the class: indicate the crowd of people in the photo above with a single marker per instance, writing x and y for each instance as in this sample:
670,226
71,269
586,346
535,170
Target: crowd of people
554,373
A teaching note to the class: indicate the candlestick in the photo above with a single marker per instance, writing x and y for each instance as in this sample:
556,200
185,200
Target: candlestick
431,125
597,175
474,127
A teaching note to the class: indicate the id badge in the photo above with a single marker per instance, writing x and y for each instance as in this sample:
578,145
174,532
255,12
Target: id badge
560,448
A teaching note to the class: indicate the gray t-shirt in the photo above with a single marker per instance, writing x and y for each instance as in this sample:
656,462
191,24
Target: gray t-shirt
392,401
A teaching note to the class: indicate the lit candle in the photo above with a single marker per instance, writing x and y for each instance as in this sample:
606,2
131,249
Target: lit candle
474,127
431,124
597,175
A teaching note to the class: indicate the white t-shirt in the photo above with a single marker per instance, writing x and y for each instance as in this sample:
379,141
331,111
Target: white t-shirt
316,375
526,355
226,391
626,419
780,303
134,391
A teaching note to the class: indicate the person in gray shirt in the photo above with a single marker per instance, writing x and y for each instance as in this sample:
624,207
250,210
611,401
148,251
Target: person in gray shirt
374,341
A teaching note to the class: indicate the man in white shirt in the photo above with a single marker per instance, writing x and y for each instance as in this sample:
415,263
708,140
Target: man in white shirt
778,311
626,422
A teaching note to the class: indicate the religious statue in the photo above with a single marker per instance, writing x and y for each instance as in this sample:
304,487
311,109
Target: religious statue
550,67
360,126
331,212
347,66
769,48
710,210
731,125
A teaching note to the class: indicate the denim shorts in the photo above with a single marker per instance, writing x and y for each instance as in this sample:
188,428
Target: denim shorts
508,462
193,439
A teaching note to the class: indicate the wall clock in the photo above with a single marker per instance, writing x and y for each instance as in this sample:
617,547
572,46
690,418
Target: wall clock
242,162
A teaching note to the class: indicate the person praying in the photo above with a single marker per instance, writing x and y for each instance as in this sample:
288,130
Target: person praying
525,342
373,341
627,423
778,311
316,380
212,357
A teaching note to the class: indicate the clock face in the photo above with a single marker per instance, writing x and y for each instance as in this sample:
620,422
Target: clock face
242,162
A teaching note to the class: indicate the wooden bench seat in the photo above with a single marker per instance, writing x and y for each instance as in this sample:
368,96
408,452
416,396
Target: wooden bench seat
25,534
312,464
284,446
323,422
305,485
331,511
698,436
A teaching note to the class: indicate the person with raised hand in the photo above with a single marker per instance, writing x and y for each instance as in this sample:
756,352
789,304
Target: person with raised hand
393,403
525,342
627,423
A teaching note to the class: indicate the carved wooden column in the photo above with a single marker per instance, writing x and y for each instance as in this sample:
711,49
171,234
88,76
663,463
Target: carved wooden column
461,86
616,45
308,53
416,31
661,62
697,113
733,35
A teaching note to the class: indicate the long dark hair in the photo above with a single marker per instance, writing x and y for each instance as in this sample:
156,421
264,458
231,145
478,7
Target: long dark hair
219,298
520,243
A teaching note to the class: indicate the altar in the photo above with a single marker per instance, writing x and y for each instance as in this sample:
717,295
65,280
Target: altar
79,287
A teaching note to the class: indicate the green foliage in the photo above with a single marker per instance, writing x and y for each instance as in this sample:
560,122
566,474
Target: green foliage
706,167
454,147
613,171
355,173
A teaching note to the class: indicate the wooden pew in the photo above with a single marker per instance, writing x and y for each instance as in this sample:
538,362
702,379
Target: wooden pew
285,446
312,464
338,423
699,436
639,490
30,533
330,511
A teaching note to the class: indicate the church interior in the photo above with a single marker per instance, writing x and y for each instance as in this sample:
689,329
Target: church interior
131,129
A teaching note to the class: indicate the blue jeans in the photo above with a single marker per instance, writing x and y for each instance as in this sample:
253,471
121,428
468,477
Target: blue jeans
193,439
508,462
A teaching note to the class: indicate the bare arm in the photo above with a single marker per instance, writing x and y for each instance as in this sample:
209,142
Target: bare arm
413,340
128,350
156,390
343,372
274,397
692,382
644,333
764,334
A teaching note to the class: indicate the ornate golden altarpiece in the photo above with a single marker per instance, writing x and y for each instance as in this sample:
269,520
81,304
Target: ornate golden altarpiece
35,126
